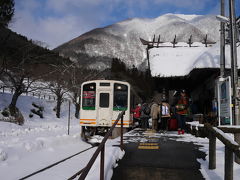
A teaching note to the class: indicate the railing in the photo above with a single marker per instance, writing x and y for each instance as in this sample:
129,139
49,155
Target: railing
231,147
101,148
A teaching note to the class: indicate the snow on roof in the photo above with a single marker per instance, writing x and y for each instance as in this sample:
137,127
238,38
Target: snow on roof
180,61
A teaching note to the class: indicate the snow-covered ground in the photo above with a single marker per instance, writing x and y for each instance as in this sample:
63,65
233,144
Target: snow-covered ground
42,142
218,173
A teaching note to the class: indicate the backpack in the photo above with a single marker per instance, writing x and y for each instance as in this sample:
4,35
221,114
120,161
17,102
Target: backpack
146,110
165,110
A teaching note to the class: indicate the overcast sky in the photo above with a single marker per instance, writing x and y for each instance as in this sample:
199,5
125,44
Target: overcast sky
57,21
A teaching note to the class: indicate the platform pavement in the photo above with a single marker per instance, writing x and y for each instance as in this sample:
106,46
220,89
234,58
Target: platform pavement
158,156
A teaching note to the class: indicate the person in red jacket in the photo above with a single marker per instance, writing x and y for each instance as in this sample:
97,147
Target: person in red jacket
137,113
182,111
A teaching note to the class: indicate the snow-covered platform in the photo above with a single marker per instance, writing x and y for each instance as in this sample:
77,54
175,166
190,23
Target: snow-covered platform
156,155
151,155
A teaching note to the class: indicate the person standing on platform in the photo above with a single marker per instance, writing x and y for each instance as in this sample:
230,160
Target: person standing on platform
136,114
182,111
155,111
165,115
144,116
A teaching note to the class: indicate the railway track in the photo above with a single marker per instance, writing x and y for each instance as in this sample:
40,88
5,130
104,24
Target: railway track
57,163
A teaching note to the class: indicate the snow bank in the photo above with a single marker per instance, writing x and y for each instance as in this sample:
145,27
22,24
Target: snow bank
203,143
40,142
112,155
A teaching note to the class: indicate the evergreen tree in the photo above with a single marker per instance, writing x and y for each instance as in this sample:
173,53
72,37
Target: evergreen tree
6,12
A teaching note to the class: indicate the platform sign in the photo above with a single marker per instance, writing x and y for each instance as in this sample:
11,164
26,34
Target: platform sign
224,101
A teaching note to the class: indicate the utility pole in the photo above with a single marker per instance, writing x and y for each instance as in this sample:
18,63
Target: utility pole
234,71
222,41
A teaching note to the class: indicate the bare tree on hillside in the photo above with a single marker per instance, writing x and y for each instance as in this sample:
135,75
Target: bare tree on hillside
78,76
59,85
21,81
2,61
66,82
21,75
6,12
59,90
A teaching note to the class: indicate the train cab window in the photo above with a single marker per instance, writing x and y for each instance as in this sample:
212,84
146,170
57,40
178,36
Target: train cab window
104,100
89,96
120,99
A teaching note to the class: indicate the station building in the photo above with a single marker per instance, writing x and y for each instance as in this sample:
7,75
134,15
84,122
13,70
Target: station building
195,68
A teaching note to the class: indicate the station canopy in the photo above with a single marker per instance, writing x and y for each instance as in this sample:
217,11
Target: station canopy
166,61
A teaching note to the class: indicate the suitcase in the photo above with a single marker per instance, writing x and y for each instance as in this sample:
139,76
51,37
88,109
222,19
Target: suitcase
172,124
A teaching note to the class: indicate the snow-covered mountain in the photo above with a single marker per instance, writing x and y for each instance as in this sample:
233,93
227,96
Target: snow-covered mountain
121,40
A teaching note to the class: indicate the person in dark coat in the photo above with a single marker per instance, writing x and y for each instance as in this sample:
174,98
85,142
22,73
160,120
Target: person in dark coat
144,116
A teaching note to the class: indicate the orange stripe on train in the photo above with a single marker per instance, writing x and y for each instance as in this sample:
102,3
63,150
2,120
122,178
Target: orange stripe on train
88,123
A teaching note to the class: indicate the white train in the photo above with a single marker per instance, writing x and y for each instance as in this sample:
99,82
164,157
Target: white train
101,102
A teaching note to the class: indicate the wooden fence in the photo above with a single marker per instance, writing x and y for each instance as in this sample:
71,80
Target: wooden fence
231,147
39,95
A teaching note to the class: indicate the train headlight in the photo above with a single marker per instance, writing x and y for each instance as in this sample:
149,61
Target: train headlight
119,87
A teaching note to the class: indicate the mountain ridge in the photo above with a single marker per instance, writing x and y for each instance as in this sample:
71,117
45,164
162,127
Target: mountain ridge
121,40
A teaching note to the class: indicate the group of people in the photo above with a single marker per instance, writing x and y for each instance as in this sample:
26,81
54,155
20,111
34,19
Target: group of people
161,113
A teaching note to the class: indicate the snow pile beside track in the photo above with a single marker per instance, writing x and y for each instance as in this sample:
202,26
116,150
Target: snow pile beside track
41,142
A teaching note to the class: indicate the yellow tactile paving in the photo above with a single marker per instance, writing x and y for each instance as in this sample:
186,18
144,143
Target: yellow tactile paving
148,147
148,144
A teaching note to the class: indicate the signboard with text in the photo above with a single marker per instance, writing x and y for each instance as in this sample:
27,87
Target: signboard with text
224,101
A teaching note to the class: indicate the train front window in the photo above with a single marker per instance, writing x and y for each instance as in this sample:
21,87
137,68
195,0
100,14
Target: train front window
104,100
120,100
89,96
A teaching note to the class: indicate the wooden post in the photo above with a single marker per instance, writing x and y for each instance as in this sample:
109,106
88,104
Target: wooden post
228,172
237,139
212,151
102,163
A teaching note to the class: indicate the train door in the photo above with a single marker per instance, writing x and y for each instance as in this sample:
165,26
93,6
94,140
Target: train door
104,112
